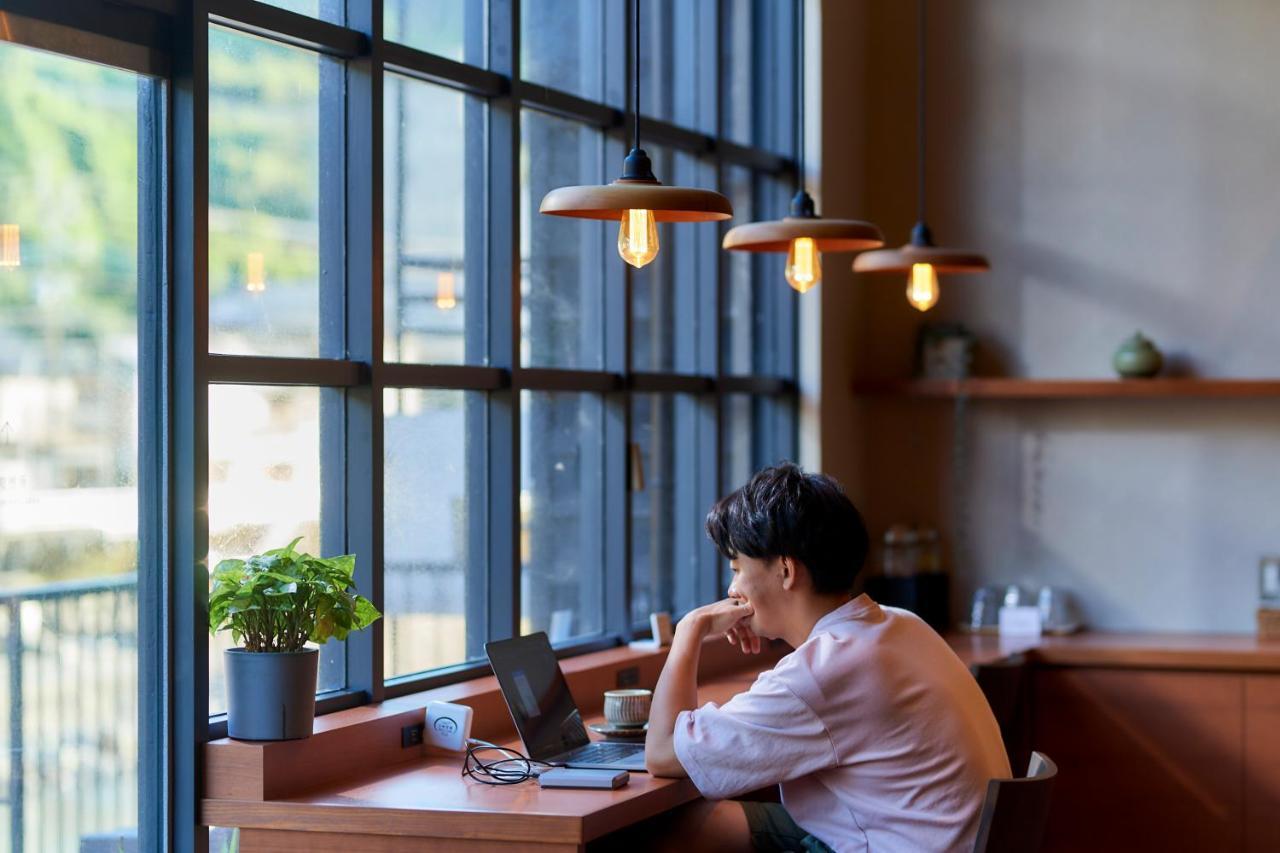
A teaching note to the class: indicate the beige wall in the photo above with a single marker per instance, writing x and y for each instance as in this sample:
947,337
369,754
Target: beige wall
1117,160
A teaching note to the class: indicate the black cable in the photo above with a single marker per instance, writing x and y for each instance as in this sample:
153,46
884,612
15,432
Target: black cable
636,70
920,134
799,83
510,768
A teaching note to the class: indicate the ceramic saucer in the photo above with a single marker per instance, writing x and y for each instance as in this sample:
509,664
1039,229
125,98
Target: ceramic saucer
613,730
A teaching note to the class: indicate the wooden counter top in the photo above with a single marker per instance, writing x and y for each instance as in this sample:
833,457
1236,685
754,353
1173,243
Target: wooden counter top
353,779
429,799
1217,652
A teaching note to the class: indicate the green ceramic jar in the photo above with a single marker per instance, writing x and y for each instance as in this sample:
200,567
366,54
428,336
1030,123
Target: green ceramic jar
1137,358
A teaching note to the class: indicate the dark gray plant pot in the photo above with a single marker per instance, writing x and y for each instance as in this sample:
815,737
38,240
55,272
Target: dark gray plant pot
271,695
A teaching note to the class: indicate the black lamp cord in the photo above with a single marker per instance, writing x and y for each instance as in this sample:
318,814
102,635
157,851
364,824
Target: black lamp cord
799,84
635,59
920,113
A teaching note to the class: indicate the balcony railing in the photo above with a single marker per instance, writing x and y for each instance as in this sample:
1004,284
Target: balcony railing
71,740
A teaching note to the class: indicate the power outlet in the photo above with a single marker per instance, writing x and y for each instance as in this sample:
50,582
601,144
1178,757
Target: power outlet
628,677
411,735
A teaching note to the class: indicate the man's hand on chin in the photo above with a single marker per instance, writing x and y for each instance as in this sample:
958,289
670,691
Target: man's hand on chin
677,688
730,617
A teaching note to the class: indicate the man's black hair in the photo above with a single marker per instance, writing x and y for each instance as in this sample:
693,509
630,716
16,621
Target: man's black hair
784,512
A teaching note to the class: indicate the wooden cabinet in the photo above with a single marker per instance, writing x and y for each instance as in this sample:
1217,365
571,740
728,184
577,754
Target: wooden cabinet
1148,759
1262,763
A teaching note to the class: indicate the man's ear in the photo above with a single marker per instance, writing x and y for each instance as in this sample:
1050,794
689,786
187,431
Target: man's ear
788,573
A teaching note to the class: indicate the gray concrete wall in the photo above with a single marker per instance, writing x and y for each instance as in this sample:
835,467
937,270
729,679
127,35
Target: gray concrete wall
1117,160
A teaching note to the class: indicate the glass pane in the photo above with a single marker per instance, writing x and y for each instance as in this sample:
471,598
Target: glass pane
738,319
562,260
264,491
671,295
756,431
325,10
758,314
740,455
678,62
434,172
758,73
666,522
561,524
68,450
449,28
564,45
434,529
264,194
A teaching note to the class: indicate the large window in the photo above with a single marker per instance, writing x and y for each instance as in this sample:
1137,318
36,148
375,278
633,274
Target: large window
301,290
512,430
73,374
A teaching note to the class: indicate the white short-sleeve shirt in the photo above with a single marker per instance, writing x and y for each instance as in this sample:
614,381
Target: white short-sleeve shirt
877,733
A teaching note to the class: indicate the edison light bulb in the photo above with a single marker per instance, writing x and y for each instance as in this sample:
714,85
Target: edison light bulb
804,269
922,287
638,237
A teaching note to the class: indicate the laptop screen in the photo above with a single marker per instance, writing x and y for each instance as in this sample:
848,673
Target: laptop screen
537,695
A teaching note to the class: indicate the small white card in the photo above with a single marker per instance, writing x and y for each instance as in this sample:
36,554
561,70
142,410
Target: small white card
1020,621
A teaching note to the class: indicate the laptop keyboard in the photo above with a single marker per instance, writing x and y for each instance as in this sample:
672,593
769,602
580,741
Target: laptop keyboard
604,753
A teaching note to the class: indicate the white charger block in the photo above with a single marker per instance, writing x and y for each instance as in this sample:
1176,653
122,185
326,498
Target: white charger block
448,726
1020,621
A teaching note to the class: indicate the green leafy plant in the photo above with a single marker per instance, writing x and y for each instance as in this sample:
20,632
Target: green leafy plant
278,600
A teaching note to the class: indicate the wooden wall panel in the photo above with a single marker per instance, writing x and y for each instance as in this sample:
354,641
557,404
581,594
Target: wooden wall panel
1147,760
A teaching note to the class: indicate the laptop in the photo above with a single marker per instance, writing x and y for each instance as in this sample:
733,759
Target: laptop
544,711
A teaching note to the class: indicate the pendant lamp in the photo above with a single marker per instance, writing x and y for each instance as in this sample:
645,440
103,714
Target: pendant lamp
803,235
637,199
920,259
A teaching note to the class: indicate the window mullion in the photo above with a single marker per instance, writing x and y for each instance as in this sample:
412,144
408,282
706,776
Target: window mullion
363,468
189,461
502,471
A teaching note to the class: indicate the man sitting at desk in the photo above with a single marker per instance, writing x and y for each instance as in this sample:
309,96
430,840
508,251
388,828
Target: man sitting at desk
877,733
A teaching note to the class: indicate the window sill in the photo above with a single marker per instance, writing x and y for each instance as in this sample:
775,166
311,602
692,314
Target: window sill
366,739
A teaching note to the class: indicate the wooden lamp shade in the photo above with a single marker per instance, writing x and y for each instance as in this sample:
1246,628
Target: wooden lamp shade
829,235
611,201
902,258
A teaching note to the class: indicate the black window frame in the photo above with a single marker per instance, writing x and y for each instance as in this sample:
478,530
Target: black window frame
170,38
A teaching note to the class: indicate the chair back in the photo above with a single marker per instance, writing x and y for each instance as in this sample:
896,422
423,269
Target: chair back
1016,810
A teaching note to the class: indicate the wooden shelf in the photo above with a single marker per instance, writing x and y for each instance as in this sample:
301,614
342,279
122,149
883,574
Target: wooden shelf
1005,388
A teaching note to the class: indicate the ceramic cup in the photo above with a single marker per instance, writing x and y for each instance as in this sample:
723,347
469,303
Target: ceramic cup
627,707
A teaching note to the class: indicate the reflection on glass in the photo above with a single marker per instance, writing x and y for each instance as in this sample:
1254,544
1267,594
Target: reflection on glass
68,450
264,197
671,297
746,60
327,10
449,28
434,512
738,318
561,46
562,260
758,304
654,293
561,524
434,245
666,524
677,72
264,491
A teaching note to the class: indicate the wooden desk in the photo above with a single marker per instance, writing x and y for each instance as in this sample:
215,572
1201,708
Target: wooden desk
429,801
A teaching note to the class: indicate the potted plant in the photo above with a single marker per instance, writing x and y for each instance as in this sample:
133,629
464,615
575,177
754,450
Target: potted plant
274,604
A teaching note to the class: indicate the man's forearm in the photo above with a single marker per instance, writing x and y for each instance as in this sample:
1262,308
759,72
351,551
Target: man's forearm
677,691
